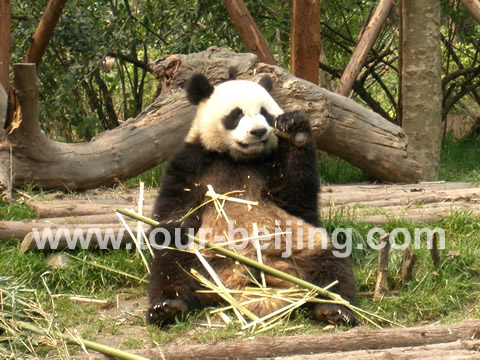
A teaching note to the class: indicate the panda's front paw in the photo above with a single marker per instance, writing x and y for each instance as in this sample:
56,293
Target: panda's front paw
165,311
333,314
295,126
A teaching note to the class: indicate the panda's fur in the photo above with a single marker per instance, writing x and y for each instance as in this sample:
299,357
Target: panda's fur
241,140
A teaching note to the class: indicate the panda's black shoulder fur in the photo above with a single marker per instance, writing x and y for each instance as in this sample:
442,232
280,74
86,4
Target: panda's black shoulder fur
198,88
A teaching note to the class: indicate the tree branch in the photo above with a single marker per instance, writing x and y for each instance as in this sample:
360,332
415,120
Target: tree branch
131,60
248,30
363,46
473,7
44,31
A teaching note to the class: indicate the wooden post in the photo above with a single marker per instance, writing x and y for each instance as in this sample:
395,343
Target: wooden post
305,39
44,31
408,262
381,286
434,250
248,30
473,7
4,42
363,46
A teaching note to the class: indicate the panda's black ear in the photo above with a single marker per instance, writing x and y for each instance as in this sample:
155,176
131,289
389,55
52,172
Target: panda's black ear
266,82
198,88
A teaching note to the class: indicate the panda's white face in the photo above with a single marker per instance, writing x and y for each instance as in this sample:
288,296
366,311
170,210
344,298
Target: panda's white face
238,119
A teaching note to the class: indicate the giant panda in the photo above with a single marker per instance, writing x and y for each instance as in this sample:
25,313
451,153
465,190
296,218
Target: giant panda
241,140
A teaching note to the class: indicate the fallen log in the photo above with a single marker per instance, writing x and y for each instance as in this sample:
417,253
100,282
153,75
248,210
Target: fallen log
462,349
19,229
379,199
107,218
341,127
97,236
363,213
46,210
354,340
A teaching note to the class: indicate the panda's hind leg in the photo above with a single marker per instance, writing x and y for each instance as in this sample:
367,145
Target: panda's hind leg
172,290
326,268
333,314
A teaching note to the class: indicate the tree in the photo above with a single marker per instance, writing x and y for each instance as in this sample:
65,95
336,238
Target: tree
421,86
473,7
363,46
248,30
340,126
44,31
305,46
4,42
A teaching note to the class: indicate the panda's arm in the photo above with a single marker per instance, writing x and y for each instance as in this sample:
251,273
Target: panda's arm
181,191
294,182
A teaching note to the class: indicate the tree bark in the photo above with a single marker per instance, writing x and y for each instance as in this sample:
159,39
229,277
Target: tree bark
248,30
421,76
44,210
322,344
458,350
363,46
340,127
100,236
44,31
434,251
473,7
408,262
305,39
3,110
381,285
4,43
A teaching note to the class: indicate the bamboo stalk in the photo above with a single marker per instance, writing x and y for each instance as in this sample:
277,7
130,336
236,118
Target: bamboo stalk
247,261
104,349
271,271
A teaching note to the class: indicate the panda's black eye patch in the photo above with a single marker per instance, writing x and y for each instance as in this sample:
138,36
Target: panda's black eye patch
232,119
269,117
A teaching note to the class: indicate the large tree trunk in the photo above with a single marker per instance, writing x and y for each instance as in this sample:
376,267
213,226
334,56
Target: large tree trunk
4,43
421,87
341,127
363,47
305,39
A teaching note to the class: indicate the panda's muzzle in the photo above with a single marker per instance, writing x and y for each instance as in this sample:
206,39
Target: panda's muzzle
259,133
255,143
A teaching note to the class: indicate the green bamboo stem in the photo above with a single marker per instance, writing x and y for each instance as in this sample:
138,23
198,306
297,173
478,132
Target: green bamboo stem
247,261
104,349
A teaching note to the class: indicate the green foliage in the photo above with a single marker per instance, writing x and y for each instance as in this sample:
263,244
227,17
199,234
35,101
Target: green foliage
78,277
434,294
12,211
460,160
79,98
150,178
334,170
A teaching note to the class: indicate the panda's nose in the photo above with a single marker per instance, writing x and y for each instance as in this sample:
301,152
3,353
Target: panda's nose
258,132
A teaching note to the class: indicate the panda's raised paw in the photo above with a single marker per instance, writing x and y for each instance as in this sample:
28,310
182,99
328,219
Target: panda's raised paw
293,125
165,311
333,314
